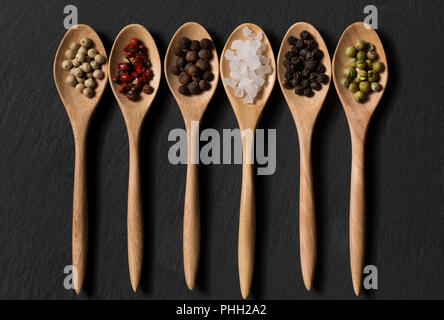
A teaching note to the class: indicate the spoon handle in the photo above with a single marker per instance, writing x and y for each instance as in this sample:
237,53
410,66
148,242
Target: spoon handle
247,230
80,214
135,215
307,220
191,220
357,214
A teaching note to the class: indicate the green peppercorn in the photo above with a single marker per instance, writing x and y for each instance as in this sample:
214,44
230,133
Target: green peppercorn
376,87
359,45
350,72
353,87
364,86
346,82
362,66
362,55
362,75
351,52
359,96
372,55
356,80
378,66
373,76
370,46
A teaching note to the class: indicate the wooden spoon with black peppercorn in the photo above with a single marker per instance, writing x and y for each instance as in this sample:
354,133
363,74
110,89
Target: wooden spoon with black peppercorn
192,103
134,113
248,116
80,110
305,111
358,116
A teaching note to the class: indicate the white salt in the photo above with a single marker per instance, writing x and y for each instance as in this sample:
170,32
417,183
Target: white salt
248,65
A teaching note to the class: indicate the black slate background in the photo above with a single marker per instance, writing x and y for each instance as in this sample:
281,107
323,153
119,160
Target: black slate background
404,162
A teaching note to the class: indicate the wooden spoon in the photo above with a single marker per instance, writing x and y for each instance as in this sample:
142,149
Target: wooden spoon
192,108
80,110
358,116
134,113
305,112
248,116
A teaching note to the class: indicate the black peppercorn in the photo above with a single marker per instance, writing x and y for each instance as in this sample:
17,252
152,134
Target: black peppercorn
208,76
191,56
180,61
205,54
195,45
184,90
193,71
305,83
194,88
175,70
204,85
316,85
203,65
184,78
310,64
305,35
308,92
178,52
322,78
299,44
206,44
185,43
320,68
291,40
299,90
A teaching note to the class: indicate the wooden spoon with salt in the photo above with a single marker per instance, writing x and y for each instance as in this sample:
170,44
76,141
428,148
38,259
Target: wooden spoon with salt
248,116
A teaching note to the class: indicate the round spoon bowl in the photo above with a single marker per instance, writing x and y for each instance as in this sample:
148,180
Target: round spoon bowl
358,31
117,54
261,99
72,99
193,31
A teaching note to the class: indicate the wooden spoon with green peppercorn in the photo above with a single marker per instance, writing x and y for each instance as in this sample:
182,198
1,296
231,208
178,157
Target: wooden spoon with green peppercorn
134,113
192,108
305,111
80,110
358,116
248,117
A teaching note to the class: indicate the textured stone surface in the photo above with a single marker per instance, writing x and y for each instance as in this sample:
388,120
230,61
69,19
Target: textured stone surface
405,159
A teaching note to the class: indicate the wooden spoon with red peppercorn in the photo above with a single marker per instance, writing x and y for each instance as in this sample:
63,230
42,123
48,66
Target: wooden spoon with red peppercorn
305,110
80,110
134,113
193,108
248,117
358,116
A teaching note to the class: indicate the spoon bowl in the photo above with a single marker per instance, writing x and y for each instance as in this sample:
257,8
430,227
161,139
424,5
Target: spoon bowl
248,116
192,108
80,110
358,117
305,111
134,113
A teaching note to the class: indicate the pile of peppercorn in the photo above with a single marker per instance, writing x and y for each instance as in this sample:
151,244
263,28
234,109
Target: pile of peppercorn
193,65
134,73
305,72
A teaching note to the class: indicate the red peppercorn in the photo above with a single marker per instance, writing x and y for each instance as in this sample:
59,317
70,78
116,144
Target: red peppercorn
128,54
134,41
126,77
123,89
116,79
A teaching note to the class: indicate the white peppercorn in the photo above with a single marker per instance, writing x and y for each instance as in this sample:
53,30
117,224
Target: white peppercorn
82,50
81,80
89,75
98,74
78,72
99,59
80,57
69,54
90,83
67,65
86,42
74,46
71,81
80,87
76,63
86,67
92,53
87,92
95,65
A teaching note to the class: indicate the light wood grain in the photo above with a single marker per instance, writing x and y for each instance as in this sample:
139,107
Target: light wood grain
80,110
134,113
192,109
358,117
248,116
305,112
